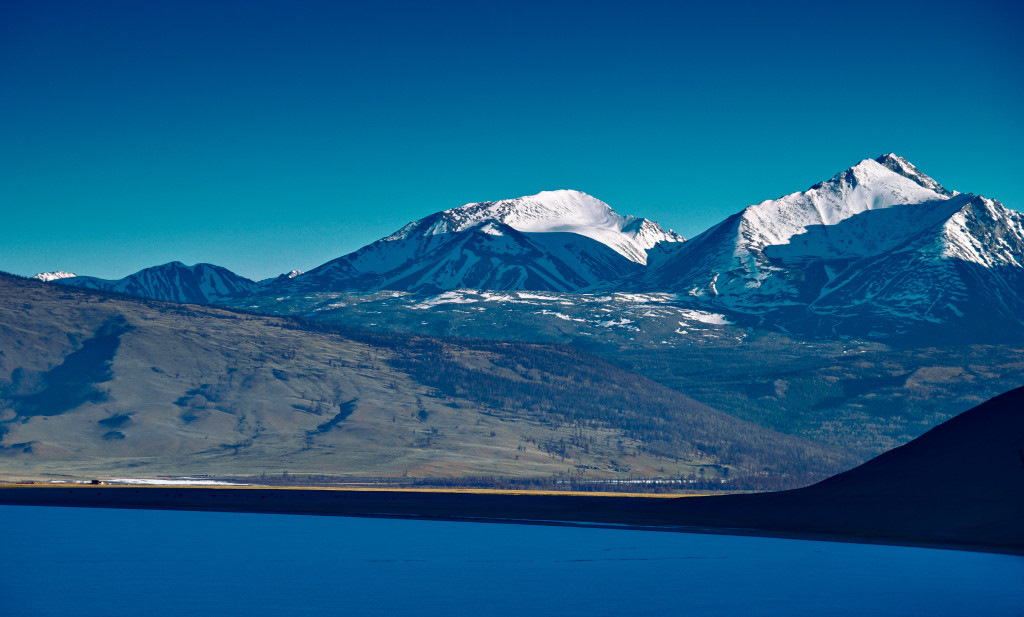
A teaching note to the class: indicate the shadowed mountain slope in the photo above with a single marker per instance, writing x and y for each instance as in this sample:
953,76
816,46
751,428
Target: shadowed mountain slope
960,483
171,282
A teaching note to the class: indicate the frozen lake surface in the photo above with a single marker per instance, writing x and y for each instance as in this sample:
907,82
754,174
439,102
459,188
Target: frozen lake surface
80,561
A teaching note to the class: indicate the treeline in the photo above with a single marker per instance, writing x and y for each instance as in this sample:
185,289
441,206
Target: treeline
682,484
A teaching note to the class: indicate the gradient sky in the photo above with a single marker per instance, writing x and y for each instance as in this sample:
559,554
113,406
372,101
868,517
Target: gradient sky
266,136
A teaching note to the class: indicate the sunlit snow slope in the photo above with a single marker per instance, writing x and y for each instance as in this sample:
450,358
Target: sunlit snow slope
552,241
878,249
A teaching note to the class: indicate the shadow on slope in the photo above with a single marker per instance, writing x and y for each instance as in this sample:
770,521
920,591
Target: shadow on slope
73,381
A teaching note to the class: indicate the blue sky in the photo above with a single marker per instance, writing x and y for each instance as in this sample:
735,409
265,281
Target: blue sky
266,136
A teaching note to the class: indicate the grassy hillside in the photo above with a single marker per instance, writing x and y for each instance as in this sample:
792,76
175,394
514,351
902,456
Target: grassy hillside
96,384
865,395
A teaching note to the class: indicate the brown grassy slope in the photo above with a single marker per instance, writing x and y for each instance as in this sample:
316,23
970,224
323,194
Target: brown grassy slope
198,390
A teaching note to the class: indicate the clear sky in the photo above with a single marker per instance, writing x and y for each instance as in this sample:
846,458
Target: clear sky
267,136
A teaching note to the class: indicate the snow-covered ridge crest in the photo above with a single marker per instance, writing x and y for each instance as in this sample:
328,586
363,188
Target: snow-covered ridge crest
822,222
984,232
869,185
561,211
46,277
906,169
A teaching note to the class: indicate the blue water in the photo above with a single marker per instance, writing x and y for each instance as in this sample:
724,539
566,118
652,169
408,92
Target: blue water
76,561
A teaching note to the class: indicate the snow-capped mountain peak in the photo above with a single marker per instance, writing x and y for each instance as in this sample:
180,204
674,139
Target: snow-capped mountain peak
544,212
906,169
554,240
563,211
878,246
869,185
46,277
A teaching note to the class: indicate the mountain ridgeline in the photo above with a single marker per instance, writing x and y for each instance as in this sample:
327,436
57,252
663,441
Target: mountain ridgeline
879,251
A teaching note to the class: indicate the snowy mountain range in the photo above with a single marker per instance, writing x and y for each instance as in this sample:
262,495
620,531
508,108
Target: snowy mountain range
879,250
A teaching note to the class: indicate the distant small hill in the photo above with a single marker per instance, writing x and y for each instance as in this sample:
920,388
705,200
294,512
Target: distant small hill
170,282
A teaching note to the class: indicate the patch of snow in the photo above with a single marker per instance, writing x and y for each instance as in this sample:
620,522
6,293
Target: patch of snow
641,298
173,481
714,319
530,296
561,316
448,297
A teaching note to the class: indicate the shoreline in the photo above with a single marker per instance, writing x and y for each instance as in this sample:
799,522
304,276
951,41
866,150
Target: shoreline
642,512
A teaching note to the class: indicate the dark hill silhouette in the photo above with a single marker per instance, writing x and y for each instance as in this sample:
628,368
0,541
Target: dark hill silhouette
961,483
